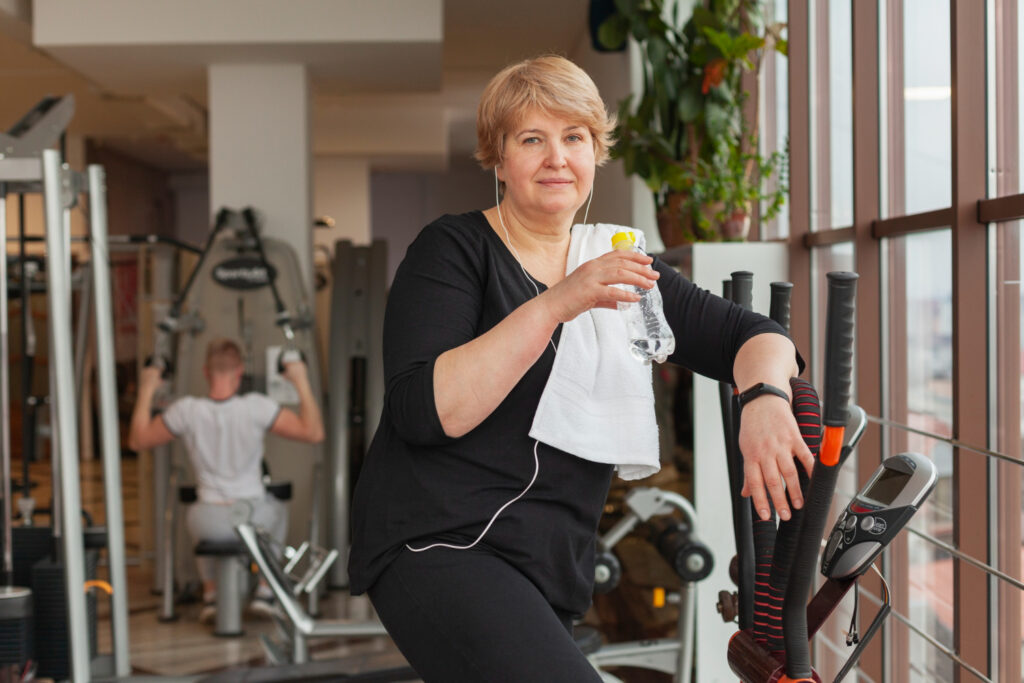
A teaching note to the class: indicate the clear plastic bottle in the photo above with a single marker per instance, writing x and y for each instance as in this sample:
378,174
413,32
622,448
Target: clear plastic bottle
650,337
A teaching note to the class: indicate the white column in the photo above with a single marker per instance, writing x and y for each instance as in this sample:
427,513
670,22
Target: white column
711,263
260,149
342,191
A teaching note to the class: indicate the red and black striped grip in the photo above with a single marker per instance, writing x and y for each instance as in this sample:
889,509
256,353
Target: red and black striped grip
807,411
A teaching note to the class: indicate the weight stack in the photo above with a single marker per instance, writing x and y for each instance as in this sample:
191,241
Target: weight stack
30,544
15,625
52,640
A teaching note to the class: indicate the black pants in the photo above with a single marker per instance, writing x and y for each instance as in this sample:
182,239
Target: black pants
466,616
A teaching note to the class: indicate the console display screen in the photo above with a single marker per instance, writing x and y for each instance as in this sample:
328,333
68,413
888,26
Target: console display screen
887,486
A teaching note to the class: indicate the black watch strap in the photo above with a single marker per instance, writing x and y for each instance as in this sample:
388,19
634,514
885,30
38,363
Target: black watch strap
760,389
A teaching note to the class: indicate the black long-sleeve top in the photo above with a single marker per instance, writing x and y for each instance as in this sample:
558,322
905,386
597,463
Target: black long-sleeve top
419,486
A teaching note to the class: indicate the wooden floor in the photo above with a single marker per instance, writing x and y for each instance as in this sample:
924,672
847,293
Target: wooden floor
186,647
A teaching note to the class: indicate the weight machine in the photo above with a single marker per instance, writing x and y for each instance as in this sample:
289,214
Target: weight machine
29,166
226,294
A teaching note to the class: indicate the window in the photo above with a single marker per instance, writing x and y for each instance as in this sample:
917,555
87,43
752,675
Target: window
831,115
920,362
1007,367
1006,497
918,137
774,105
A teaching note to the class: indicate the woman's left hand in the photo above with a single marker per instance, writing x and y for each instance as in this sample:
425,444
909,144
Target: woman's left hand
771,444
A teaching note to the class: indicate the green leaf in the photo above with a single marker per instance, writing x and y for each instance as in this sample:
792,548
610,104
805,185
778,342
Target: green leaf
653,181
642,165
718,120
702,17
733,47
612,33
676,178
720,39
699,54
690,102
782,46
639,26
745,42
627,7
657,53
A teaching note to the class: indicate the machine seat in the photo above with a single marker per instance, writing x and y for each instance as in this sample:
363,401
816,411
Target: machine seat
282,490
221,548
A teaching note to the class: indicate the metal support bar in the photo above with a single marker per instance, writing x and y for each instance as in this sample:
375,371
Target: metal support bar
5,402
356,327
63,407
302,626
41,127
82,334
167,542
20,170
106,372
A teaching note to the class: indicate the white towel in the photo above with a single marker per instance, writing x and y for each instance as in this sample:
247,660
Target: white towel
598,403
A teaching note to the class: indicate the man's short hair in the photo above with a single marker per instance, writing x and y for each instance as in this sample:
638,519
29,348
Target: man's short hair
223,355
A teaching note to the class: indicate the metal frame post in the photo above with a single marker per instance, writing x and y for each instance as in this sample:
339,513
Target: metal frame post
339,379
5,400
107,376
358,299
63,408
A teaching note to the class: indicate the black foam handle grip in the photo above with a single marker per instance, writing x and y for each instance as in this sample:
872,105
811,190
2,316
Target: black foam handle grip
778,309
162,363
842,295
794,605
743,289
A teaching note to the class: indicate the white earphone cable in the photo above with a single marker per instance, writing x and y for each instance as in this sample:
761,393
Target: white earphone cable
515,253
536,471
536,444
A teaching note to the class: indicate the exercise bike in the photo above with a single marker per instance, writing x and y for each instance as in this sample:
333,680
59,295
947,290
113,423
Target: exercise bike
775,619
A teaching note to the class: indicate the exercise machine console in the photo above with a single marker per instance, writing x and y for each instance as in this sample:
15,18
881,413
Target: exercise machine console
877,513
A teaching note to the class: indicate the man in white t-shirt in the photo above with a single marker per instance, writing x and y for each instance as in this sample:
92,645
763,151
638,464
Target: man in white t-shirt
224,433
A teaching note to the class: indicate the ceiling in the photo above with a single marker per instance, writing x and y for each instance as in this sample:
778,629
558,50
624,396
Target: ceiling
167,128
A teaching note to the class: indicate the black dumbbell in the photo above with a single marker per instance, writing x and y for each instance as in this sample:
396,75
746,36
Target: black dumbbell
607,572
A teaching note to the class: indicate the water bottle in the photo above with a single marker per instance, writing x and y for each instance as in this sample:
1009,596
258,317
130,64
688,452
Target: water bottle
650,337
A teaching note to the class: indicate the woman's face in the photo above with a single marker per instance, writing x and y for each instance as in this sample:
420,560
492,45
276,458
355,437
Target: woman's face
548,166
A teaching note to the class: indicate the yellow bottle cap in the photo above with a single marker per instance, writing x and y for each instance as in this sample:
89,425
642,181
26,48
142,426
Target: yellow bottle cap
623,240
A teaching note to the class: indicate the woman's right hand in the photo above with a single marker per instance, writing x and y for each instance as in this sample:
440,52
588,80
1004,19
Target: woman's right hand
591,285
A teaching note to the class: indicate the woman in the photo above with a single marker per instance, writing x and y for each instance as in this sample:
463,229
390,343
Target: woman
475,542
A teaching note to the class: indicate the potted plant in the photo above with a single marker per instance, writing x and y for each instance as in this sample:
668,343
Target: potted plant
686,135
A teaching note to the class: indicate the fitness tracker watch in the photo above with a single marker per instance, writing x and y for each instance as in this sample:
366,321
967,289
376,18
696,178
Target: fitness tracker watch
760,389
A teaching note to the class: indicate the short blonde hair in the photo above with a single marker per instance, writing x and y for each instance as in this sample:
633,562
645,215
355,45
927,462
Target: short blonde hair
551,84
223,355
